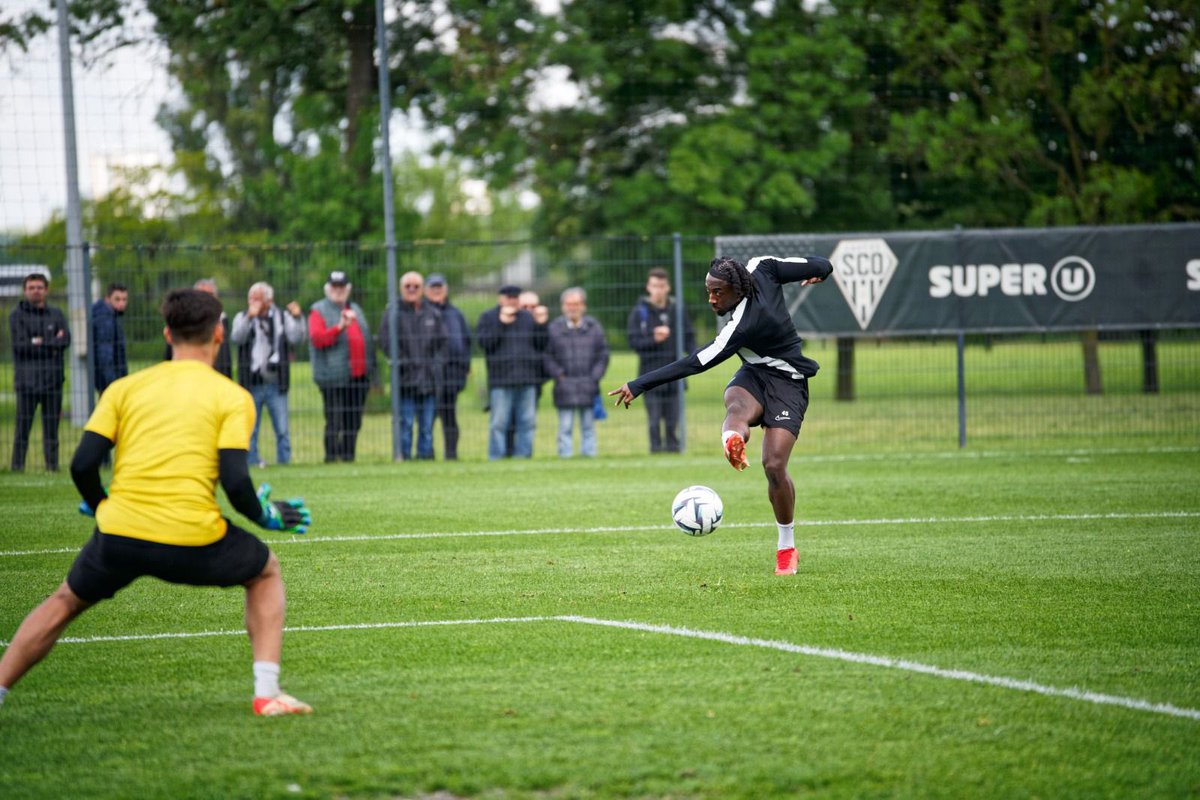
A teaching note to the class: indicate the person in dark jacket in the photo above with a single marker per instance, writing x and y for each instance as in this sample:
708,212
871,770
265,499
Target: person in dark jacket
421,360
458,360
265,334
513,344
576,358
40,337
653,336
108,337
224,361
343,364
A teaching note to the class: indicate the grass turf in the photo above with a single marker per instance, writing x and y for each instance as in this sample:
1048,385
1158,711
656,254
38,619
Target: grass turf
1069,569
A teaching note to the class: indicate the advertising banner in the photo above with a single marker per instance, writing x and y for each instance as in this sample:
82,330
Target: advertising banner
1004,280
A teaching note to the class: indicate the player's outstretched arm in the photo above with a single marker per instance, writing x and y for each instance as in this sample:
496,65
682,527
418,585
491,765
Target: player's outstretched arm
798,269
85,470
274,515
623,395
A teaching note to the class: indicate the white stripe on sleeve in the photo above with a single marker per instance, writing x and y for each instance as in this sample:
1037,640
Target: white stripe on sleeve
718,344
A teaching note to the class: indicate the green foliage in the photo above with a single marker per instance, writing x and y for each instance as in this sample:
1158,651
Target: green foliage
703,116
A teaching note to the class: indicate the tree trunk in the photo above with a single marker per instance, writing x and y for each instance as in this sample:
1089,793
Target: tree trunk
1091,362
845,368
360,86
1149,361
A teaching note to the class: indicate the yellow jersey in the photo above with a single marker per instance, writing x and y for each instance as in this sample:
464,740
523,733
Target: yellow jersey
168,423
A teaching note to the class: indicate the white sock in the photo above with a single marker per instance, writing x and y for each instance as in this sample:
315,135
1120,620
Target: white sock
787,535
3,694
726,434
266,679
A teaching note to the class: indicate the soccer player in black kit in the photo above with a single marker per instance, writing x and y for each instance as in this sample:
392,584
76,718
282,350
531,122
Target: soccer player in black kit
771,387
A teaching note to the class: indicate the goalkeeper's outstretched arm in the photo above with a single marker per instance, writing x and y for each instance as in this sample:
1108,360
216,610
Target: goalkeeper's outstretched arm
274,515
234,472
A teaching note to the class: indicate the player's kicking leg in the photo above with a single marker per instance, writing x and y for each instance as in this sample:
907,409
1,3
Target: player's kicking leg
265,604
741,411
776,451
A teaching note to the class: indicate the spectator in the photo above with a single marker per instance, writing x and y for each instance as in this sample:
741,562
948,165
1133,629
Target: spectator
342,364
513,344
576,357
108,337
421,361
40,336
529,301
224,361
458,360
653,337
264,334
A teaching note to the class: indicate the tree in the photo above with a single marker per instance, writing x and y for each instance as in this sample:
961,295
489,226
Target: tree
1049,113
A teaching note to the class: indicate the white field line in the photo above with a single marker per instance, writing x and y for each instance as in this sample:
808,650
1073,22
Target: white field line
638,528
1014,684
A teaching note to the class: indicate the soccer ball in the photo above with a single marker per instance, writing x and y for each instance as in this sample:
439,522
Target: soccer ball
697,510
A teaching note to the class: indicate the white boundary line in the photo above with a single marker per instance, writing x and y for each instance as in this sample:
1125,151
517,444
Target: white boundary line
1071,693
638,528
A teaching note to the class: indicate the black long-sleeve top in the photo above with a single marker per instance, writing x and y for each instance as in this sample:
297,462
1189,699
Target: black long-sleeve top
759,329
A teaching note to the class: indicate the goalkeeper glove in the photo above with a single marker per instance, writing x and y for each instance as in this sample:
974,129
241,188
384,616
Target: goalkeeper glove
280,515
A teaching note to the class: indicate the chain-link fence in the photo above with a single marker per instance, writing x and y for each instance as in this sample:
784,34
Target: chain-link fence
1062,389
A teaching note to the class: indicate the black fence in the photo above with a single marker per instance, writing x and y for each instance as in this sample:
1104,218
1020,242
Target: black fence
1032,389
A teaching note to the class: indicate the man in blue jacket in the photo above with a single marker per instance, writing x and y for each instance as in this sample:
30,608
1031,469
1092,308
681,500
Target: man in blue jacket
513,344
458,360
108,337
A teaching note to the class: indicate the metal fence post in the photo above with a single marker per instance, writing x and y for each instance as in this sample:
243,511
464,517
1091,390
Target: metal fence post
389,223
962,390
87,307
677,242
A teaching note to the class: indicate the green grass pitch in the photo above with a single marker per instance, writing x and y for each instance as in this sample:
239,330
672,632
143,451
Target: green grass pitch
1072,570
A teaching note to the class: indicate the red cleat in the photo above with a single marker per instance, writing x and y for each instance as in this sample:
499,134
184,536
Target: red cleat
786,561
735,451
279,705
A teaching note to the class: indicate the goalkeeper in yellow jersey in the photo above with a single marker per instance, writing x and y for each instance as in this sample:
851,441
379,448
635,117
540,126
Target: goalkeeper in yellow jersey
178,427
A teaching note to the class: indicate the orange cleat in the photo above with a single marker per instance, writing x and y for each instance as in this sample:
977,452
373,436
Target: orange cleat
786,561
735,451
279,705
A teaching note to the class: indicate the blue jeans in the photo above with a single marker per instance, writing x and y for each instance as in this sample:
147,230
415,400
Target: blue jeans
587,431
410,407
268,394
512,404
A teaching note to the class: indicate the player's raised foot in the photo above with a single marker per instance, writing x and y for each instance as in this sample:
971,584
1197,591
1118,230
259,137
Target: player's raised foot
735,450
279,705
786,561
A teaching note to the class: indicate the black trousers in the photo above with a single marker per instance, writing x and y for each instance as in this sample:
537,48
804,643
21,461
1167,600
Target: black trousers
447,411
27,403
343,418
662,408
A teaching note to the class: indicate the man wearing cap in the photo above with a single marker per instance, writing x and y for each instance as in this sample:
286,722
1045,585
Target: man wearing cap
458,360
513,344
420,361
342,364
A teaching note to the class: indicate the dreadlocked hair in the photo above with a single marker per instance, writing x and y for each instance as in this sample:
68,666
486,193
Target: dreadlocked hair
734,273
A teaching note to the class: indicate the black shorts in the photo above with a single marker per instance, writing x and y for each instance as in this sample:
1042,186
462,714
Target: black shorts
108,563
784,400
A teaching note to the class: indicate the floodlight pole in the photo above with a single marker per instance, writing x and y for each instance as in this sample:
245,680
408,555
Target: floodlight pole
389,223
77,291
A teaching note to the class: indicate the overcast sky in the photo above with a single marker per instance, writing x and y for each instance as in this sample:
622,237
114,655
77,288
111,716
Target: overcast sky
115,106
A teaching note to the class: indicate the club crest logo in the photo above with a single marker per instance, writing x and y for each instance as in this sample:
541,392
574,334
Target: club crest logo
862,269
